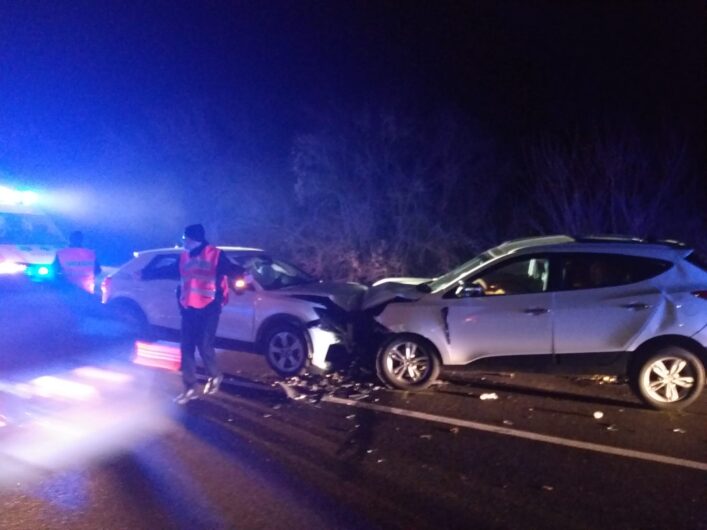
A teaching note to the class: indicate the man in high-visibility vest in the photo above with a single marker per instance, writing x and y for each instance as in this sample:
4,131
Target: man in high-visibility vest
203,291
77,264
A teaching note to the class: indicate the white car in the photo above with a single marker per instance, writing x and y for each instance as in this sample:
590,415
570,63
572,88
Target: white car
608,305
275,308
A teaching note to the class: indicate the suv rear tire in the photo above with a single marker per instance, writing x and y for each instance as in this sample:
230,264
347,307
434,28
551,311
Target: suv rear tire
670,378
407,362
132,317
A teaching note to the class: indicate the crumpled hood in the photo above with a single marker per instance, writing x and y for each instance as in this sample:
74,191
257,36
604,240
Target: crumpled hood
346,295
385,292
355,296
29,254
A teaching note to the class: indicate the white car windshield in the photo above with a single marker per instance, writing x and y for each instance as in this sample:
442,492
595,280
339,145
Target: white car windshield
274,274
449,278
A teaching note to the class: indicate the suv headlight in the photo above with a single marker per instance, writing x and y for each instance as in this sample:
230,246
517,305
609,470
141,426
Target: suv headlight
328,320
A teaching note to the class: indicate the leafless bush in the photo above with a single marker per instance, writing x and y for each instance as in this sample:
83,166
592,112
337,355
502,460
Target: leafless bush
379,194
612,183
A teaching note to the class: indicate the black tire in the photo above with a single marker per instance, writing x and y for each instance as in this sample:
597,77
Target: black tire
407,362
132,317
669,378
285,348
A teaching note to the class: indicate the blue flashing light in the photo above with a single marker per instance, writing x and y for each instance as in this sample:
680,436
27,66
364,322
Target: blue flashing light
39,272
16,197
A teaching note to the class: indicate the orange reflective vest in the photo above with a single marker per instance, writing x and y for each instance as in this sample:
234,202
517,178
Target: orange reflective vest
78,265
198,275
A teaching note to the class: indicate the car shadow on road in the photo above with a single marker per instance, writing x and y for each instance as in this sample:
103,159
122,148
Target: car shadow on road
159,491
465,384
261,448
336,481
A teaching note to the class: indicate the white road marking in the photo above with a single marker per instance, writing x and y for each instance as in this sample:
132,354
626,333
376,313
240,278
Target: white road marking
577,444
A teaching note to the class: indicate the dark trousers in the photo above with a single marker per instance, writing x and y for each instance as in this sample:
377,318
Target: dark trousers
199,331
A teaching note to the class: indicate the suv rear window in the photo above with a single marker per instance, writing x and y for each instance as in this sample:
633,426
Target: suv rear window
592,271
697,260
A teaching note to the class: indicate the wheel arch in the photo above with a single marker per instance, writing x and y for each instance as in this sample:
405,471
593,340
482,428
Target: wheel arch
129,303
651,345
282,318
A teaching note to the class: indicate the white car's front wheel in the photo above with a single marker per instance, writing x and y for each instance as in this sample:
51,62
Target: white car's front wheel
670,379
286,349
407,362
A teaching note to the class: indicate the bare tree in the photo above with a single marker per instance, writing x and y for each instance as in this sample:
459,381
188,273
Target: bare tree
612,183
379,193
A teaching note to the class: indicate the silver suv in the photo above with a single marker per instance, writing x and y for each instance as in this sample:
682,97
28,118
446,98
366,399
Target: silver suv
607,305
274,308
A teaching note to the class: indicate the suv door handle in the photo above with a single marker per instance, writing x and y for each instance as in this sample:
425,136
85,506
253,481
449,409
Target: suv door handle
636,306
536,311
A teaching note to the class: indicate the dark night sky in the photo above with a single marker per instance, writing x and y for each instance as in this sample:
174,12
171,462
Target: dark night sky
79,78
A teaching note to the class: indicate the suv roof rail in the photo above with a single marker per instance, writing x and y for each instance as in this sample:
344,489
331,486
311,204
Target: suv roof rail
613,238
538,238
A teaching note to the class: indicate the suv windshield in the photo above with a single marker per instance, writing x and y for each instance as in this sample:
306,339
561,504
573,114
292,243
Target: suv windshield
446,280
274,274
28,229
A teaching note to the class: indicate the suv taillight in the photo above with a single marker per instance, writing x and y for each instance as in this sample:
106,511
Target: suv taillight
700,294
105,286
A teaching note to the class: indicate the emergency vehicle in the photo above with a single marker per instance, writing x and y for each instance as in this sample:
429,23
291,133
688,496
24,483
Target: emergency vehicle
29,238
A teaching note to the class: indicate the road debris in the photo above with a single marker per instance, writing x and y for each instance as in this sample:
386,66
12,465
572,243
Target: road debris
426,436
598,415
548,488
679,431
290,392
507,422
612,427
454,430
488,396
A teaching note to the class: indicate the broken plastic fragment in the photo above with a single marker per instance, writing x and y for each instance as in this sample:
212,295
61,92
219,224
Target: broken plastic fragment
454,430
290,392
598,415
426,436
548,488
487,396
507,422
679,431
612,427
350,416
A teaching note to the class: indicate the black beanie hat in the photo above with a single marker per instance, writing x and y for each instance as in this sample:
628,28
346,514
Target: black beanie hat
195,232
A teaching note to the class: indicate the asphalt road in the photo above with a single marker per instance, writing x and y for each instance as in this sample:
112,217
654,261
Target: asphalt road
88,440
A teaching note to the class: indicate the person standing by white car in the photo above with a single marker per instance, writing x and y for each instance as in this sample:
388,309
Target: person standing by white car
203,291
